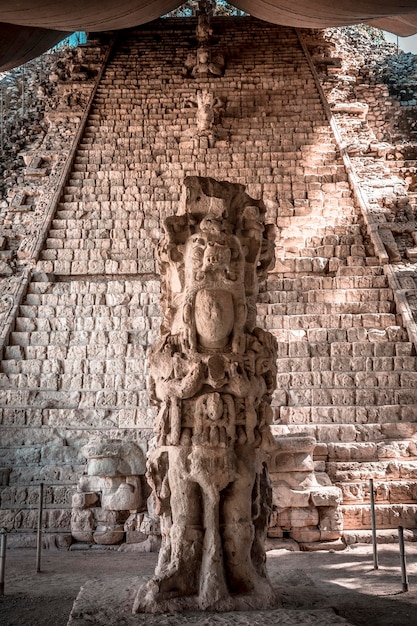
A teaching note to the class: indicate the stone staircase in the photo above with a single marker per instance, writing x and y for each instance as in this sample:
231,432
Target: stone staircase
347,374
75,364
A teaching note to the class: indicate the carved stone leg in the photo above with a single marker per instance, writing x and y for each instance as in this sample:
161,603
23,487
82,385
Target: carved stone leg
176,574
204,461
238,530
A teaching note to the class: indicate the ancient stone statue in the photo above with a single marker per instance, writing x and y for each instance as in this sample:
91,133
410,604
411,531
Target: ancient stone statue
209,112
212,374
203,64
204,30
110,494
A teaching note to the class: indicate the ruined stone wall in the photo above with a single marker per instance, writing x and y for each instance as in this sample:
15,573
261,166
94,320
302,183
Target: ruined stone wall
75,364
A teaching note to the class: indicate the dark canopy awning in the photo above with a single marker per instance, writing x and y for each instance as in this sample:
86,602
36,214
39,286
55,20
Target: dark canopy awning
29,27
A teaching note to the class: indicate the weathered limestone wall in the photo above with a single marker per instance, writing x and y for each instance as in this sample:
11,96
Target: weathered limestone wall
75,365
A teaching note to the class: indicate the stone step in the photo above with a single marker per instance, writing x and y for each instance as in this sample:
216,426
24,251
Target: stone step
324,297
95,226
358,379
349,295
95,229
97,255
355,432
72,381
305,284
343,397
101,399
112,365
370,451
79,338
123,318
78,419
125,374
385,492
56,520
387,516
326,308
355,349
395,333
351,537
321,418
377,321
111,288
99,251
110,267
306,265
16,497
393,469
99,212
85,305
75,352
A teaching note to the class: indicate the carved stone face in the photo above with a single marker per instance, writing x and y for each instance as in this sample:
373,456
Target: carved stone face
216,257
214,317
209,258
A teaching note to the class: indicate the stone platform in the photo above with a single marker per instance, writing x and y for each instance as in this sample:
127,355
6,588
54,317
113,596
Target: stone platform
104,603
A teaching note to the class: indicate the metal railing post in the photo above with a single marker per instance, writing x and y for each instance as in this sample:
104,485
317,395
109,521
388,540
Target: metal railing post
3,542
39,530
404,577
373,520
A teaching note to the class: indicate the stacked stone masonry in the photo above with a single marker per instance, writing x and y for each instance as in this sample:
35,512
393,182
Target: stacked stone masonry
75,368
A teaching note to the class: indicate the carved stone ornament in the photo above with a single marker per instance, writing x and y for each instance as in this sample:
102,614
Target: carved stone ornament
212,374
204,31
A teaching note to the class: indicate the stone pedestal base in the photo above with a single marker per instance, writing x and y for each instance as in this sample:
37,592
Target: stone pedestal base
110,602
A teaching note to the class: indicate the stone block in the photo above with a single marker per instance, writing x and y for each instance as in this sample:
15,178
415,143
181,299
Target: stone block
284,497
108,535
331,520
326,496
90,483
134,536
120,494
150,525
82,524
295,517
305,535
84,500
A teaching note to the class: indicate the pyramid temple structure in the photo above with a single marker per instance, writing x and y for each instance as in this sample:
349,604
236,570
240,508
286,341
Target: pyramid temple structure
328,150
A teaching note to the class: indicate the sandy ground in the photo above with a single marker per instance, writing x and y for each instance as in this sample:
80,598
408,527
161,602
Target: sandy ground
343,581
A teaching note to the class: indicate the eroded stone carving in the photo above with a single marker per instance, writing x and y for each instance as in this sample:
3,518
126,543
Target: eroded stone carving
204,31
209,111
306,506
389,230
212,374
203,64
108,499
